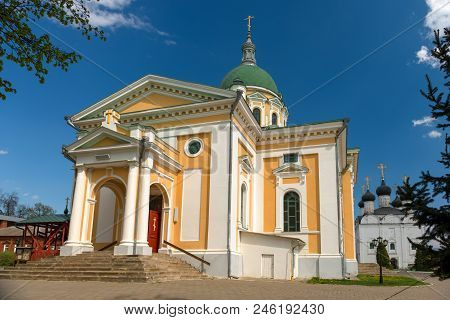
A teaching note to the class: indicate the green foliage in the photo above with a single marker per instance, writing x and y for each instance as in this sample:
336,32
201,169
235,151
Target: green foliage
371,280
428,200
383,256
426,258
7,258
39,209
21,44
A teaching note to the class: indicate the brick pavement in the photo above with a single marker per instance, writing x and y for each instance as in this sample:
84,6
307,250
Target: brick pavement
213,289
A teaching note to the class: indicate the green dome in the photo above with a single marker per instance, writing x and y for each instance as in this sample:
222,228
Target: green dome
250,75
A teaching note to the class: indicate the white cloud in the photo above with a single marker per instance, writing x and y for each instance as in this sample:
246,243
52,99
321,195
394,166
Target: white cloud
438,16
434,134
114,4
3,152
111,14
170,42
424,56
34,197
425,121
26,194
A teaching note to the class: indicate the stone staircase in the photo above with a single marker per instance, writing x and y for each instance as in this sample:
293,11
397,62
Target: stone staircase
373,268
104,266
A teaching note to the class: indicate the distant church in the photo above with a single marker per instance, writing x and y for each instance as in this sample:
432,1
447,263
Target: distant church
387,222
164,165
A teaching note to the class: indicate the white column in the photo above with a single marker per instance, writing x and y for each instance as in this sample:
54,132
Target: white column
73,244
77,208
278,206
142,247
126,245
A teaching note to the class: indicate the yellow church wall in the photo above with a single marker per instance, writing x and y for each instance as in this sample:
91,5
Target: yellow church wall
180,121
311,161
106,142
294,144
245,135
159,167
291,180
203,162
269,194
167,149
156,101
243,151
266,113
349,236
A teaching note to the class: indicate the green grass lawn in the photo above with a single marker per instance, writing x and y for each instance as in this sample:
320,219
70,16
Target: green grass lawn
371,280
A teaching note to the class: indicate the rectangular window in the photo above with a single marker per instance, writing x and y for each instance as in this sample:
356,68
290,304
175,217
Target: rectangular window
413,246
5,247
392,246
371,246
290,158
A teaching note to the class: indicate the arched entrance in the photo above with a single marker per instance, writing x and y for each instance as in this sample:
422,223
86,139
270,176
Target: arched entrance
158,201
107,219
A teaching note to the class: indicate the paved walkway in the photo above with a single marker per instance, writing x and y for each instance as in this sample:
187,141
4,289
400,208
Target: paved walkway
215,289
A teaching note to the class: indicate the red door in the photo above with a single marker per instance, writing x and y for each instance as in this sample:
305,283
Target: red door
153,230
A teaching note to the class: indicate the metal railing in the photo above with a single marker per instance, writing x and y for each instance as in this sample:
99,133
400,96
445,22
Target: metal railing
187,253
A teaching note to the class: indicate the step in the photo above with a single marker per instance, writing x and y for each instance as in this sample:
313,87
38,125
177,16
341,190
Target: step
104,266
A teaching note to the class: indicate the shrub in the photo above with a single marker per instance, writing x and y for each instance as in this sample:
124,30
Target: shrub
7,258
383,256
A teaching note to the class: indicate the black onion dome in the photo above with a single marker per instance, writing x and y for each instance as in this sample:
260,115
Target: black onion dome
397,203
368,196
361,204
383,189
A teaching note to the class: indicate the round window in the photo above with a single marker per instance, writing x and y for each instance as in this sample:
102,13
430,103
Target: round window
193,147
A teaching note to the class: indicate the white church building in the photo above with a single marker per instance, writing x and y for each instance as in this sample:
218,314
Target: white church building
387,222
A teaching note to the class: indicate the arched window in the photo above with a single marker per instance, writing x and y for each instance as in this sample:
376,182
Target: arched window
291,212
274,119
243,206
257,115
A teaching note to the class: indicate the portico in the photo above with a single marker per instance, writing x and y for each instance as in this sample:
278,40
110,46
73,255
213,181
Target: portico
111,201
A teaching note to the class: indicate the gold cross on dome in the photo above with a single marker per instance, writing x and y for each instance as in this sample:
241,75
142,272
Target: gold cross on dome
382,167
249,22
367,183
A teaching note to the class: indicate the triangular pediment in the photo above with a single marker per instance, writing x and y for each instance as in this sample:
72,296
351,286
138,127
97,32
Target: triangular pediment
257,96
290,169
152,92
155,100
246,164
102,138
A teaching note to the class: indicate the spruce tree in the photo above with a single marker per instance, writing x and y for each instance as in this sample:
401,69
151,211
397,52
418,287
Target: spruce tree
383,256
428,199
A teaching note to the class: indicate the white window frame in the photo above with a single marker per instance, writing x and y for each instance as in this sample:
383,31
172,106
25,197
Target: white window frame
243,208
395,246
298,157
186,147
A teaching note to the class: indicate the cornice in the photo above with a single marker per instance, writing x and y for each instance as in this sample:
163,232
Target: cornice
164,114
161,84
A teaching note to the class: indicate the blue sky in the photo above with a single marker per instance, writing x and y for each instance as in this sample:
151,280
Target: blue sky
304,45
